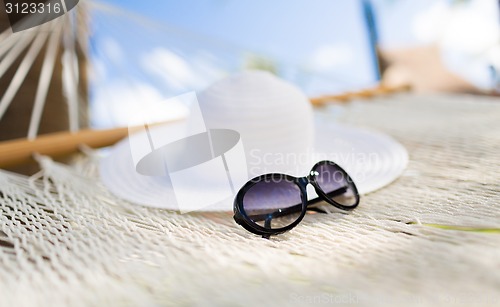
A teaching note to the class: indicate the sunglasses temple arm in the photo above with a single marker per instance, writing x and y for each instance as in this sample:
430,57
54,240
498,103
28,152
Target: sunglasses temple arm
333,193
295,208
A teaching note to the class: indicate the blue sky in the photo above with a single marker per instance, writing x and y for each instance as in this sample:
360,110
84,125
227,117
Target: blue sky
159,49
287,30
152,50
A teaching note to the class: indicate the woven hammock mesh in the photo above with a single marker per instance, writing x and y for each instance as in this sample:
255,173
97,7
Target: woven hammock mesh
66,240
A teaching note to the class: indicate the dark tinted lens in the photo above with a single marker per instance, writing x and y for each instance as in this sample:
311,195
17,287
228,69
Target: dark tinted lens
273,203
336,184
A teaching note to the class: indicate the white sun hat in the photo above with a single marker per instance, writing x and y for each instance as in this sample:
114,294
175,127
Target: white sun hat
243,126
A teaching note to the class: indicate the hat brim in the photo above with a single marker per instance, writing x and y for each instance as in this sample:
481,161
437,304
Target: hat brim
372,159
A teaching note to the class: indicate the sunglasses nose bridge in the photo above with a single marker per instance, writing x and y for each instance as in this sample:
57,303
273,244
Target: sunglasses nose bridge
311,179
304,181
311,176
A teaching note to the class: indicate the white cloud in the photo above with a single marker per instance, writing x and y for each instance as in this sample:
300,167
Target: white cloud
428,25
466,33
177,72
471,27
170,67
117,103
329,57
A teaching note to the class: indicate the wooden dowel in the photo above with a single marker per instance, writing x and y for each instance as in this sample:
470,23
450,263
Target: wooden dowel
363,94
19,151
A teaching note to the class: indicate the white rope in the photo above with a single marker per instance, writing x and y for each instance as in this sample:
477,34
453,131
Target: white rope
82,19
70,73
44,81
68,241
22,71
7,43
20,42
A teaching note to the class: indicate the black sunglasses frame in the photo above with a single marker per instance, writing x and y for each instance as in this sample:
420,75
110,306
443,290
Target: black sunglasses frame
249,224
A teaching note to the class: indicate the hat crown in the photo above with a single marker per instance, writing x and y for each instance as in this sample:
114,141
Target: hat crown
273,117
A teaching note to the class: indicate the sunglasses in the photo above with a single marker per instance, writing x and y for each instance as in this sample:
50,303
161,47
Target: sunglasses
271,204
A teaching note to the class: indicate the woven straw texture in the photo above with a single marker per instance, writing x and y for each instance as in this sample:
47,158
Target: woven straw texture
65,240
